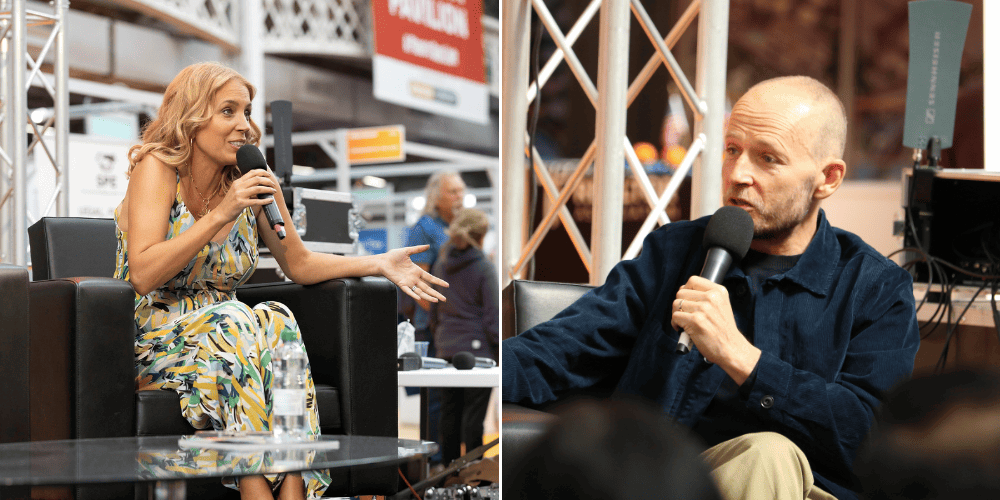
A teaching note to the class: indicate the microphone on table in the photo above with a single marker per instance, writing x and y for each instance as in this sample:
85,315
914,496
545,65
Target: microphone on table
464,360
727,238
248,157
413,361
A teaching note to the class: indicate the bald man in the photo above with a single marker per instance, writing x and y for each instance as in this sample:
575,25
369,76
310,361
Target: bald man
796,347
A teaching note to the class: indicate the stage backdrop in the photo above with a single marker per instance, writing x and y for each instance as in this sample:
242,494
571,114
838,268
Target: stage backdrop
429,56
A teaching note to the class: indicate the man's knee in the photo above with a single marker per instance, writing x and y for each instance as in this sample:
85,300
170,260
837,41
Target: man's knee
760,465
770,443
758,448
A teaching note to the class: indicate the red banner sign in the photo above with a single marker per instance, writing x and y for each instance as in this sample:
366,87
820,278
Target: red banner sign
442,35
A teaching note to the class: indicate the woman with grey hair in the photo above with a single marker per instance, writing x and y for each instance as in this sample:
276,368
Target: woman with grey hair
444,193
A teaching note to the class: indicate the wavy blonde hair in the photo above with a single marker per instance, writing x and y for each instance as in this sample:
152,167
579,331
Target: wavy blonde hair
468,228
186,108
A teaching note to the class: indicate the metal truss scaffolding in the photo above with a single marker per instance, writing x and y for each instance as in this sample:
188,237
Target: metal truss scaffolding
19,71
611,148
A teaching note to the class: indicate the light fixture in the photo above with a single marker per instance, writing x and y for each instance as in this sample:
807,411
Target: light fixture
418,203
469,201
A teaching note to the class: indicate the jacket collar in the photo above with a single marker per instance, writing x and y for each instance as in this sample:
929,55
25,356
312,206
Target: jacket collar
815,269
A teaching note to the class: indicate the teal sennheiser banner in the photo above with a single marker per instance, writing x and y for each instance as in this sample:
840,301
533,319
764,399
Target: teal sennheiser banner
937,37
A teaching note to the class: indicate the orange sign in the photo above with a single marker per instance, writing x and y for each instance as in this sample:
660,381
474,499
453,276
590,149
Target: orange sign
376,145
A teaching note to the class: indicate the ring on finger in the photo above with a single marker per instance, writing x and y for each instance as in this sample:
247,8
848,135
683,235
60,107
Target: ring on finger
414,288
680,305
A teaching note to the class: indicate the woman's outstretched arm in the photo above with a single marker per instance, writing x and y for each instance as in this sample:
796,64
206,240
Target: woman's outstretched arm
307,267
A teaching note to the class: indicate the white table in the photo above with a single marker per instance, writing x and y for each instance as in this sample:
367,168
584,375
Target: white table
445,377
450,377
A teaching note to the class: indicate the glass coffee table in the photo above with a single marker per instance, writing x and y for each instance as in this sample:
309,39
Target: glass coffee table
170,460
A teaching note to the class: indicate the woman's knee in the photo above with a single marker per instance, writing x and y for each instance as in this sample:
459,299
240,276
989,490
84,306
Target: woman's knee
232,314
275,317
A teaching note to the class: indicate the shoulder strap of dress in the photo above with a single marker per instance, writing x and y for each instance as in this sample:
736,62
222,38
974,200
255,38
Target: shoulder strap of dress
177,191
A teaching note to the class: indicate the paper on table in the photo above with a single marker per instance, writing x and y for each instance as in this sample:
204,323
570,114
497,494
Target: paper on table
250,441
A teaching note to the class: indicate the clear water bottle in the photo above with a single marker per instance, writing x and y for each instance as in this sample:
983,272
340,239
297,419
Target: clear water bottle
289,391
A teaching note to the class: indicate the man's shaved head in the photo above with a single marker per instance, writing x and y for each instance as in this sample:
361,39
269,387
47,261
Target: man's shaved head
784,142
829,134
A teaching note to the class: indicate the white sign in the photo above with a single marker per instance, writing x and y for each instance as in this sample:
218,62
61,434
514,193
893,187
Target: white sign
97,179
429,56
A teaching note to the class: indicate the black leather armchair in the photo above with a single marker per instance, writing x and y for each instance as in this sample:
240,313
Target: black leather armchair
526,304
348,326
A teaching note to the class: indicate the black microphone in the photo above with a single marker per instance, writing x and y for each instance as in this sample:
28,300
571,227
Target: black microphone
413,361
248,157
727,238
464,360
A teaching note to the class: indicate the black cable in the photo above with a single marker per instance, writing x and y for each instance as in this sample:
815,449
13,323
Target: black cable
907,265
943,359
945,304
532,130
943,311
984,277
944,307
912,262
932,269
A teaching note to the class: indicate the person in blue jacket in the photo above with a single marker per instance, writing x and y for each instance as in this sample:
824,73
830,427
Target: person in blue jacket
792,352
445,192
470,323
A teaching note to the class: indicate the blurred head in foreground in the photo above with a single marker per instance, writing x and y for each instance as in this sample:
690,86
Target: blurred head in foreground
611,450
936,437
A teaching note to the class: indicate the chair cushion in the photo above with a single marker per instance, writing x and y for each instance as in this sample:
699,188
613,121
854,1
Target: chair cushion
158,412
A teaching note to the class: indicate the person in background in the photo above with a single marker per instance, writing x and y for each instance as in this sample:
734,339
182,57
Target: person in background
188,230
470,322
444,193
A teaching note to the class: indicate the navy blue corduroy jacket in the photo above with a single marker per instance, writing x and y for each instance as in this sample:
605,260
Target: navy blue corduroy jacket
836,332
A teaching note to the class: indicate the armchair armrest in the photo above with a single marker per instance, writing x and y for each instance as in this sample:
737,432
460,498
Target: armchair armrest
82,367
82,364
14,421
349,329
521,427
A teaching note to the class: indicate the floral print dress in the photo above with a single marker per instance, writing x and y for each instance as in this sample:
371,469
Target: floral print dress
195,338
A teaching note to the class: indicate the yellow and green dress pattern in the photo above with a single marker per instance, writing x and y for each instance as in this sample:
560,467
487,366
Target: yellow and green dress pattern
195,338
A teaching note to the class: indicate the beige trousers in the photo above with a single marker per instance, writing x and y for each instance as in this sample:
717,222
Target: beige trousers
762,465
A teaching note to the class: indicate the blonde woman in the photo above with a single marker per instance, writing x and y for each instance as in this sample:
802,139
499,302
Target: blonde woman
469,321
188,230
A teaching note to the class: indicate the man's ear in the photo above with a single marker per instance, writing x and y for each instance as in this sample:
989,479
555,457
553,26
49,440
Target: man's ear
832,175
